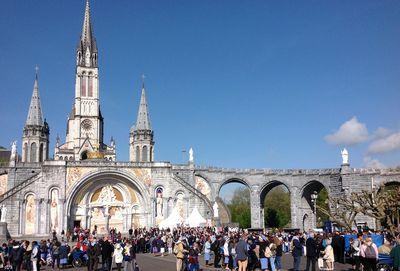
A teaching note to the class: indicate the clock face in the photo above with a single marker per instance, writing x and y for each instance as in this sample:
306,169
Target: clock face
86,125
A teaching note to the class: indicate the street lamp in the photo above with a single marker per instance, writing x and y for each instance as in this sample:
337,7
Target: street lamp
314,197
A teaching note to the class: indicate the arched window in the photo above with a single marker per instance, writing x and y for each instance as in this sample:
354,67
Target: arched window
33,152
151,154
90,85
144,154
83,85
25,152
61,158
137,154
41,152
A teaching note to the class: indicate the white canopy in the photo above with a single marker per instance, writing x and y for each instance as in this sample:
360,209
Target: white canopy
172,221
195,219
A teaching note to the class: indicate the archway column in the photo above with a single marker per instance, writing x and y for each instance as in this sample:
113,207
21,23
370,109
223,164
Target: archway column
255,206
295,201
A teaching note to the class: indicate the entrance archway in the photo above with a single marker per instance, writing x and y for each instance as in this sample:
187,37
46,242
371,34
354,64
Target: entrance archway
233,200
314,195
275,205
108,200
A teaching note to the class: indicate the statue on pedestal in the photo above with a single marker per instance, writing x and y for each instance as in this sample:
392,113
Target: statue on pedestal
3,213
345,156
215,209
191,158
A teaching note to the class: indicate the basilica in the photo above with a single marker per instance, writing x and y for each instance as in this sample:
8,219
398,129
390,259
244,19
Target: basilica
84,185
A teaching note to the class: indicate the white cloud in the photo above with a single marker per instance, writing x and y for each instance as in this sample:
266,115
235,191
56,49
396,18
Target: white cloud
373,163
386,144
349,133
381,132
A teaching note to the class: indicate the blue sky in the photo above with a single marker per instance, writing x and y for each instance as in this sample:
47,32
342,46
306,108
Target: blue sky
249,84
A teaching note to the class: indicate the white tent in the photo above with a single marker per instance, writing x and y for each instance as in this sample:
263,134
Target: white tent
195,219
172,221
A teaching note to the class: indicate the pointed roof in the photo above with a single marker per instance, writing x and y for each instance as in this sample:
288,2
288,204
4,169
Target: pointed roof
87,37
143,118
35,116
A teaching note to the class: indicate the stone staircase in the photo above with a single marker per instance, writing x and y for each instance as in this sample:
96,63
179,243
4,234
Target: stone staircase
20,186
195,191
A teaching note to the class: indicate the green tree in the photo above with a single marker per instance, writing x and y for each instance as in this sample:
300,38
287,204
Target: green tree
239,207
277,208
322,204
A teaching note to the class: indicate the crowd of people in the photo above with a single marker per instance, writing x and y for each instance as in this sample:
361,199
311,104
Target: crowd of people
226,248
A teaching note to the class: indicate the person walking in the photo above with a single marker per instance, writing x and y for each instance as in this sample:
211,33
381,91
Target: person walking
369,252
107,250
329,256
356,247
35,256
279,251
207,251
297,251
242,253
118,256
311,248
179,253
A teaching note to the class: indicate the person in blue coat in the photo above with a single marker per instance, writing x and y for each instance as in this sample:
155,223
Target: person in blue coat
297,251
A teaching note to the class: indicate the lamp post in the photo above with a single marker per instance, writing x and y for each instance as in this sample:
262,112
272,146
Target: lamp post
314,197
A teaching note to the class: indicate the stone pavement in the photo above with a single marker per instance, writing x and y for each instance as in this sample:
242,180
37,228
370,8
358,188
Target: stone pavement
148,262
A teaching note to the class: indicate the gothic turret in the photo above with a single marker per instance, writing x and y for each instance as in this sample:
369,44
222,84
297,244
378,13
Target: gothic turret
35,138
141,144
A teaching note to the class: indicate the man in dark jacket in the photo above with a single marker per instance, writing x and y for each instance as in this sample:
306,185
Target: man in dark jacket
297,252
215,247
106,252
93,252
16,256
312,254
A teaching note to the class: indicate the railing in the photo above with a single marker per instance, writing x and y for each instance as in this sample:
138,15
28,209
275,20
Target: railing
19,187
194,190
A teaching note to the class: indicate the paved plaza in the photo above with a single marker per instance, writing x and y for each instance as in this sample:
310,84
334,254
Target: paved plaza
148,262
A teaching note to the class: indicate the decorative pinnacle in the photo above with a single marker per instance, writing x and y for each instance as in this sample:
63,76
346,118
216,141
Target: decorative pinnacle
143,77
36,71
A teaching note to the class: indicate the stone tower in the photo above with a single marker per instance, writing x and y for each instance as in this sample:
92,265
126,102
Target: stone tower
84,137
141,144
35,138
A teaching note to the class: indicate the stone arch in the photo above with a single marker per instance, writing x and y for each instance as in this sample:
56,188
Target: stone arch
306,208
266,188
80,191
263,192
232,180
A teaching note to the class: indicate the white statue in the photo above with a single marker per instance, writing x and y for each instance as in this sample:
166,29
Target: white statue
107,195
159,204
3,213
13,150
345,156
191,159
215,208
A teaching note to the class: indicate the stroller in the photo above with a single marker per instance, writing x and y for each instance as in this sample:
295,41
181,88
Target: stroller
79,258
385,263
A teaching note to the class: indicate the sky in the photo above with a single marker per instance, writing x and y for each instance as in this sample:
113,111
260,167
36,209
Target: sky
247,84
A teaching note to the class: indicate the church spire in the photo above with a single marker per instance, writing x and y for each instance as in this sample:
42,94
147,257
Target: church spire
143,118
35,116
87,47
87,38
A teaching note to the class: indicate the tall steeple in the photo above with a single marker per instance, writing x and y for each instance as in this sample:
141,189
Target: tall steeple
141,144
85,123
87,47
35,138
35,116
143,118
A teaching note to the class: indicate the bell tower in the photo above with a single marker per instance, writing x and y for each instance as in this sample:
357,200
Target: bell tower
141,143
85,127
35,138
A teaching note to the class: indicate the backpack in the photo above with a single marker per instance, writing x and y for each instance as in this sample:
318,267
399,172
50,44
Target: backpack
267,252
370,252
214,246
